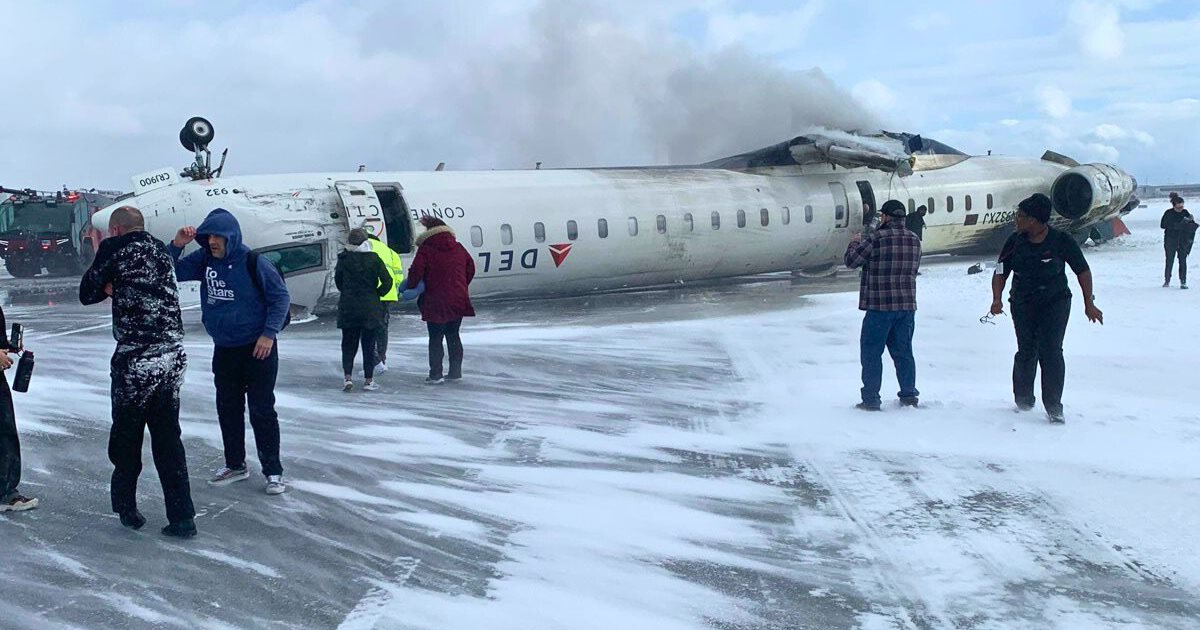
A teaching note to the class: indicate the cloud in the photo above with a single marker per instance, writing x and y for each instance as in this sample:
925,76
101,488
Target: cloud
1096,27
1099,152
762,32
930,22
1054,101
1010,122
1110,132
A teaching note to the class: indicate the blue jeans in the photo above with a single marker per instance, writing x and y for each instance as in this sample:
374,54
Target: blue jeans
893,330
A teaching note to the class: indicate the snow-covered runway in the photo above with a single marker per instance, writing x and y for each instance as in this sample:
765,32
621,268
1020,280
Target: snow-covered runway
684,459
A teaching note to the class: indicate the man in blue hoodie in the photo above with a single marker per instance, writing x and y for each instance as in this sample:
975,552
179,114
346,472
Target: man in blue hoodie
242,313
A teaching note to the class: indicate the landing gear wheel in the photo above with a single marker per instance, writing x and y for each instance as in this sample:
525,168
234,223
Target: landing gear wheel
196,132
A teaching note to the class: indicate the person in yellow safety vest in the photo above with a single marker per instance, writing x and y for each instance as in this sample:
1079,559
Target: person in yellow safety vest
391,260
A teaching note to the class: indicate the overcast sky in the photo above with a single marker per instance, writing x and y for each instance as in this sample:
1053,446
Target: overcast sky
93,92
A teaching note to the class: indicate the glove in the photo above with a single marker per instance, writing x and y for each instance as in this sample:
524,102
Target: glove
413,293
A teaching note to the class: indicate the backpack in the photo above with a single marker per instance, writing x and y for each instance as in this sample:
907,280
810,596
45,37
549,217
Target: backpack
252,269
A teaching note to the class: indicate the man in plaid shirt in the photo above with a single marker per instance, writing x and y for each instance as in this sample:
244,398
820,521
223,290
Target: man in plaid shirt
890,257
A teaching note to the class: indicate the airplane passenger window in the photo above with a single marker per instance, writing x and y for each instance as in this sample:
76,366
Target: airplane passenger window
949,204
930,204
572,230
687,222
787,215
506,234
633,226
291,260
539,232
602,228
741,218
764,217
989,200
476,236
662,224
967,203
716,220
808,214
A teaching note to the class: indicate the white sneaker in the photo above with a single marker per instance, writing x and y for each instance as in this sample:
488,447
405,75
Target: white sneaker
371,387
349,385
381,368
275,484
19,503
225,476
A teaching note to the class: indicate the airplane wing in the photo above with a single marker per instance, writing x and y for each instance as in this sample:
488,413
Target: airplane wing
884,151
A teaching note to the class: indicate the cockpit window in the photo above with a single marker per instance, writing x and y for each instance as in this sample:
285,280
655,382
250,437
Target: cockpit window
297,258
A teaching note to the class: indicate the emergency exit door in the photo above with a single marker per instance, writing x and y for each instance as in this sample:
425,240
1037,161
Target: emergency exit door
841,205
362,207
869,209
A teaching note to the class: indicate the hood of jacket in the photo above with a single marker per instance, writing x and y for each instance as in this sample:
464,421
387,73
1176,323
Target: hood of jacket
443,243
221,222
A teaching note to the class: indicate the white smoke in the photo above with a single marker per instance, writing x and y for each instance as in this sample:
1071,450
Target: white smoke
589,91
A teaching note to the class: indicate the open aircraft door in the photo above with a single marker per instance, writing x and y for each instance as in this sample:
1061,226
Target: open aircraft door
363,209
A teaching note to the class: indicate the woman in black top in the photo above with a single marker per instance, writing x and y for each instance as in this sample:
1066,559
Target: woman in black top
1041,301
1179,231
362,279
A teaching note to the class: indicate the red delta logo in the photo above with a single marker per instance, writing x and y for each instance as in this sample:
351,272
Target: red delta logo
559,253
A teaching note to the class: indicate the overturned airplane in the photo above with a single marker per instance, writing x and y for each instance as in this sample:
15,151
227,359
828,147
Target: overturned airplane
789,207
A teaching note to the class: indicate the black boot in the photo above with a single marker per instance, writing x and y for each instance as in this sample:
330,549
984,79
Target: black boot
133,519
182,529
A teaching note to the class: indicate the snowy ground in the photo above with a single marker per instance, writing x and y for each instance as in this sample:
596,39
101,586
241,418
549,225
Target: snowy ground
685,459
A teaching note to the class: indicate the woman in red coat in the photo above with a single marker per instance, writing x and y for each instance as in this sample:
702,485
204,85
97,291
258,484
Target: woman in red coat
447,269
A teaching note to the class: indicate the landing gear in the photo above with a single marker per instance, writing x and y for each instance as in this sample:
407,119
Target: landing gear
197,132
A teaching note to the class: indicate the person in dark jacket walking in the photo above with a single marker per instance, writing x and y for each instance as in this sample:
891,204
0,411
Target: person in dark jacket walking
362,279
446,268
1179,232
244,306
135,270
890,257
915,222
11,500
1040,299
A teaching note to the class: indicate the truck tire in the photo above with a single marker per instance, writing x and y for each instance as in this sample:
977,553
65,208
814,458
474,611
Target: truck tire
86,256
20,269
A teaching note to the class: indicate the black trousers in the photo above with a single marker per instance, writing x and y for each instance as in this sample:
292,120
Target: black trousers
449,332
10,446
352,338
145,393
1180,248
242,379
381,335
1041,326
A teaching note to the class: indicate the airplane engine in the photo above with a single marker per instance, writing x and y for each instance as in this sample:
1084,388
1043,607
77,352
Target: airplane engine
1091,189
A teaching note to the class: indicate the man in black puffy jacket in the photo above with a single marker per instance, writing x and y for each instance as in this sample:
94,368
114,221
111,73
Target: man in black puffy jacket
1179,232
135,270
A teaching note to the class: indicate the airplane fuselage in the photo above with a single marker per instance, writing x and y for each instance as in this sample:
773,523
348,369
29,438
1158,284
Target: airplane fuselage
572,231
